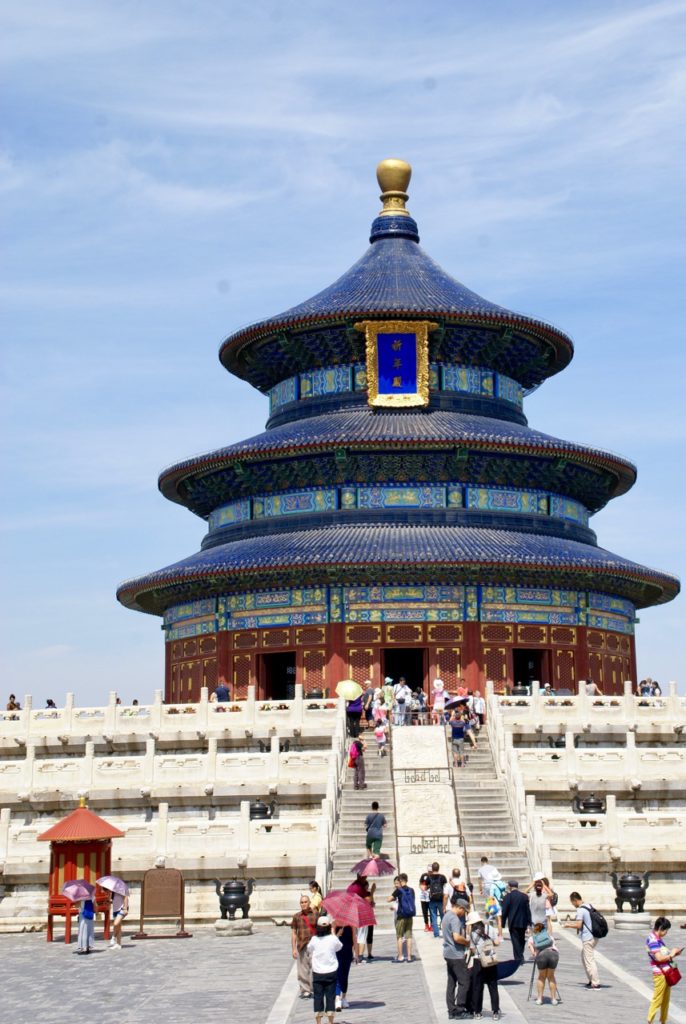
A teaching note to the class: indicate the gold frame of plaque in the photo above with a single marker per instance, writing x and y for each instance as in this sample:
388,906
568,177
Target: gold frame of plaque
413,388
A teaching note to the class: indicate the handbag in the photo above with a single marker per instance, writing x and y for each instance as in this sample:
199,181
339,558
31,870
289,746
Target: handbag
672,974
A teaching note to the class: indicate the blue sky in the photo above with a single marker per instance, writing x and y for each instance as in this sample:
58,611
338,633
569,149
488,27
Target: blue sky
171,171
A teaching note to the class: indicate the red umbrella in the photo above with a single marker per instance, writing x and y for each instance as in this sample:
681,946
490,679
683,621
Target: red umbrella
348,908
373,866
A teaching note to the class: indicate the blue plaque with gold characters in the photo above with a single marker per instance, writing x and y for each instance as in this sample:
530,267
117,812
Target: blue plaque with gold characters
397,362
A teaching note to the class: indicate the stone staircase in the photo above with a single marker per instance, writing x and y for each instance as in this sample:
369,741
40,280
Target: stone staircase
486,819
350,836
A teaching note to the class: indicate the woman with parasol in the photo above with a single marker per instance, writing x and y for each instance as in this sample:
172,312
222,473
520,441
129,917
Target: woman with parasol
120,905
81,891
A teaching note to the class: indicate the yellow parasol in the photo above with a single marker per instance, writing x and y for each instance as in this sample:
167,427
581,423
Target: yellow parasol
348,689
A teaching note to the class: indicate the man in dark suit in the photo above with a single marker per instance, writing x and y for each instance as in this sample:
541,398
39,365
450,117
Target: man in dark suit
516,914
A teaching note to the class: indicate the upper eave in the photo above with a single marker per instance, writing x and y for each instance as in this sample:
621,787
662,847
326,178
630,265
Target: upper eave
396,278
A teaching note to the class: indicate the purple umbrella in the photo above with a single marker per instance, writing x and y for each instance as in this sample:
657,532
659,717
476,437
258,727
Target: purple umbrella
77,890
113,884
456,700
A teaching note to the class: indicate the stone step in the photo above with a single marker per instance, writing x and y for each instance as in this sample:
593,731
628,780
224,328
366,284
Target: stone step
348,839
494,803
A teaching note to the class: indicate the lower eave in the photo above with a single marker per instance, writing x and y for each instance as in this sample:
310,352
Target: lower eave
411,553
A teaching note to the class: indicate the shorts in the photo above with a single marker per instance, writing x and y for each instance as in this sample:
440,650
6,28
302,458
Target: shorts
403,927
547,959
458,747
374,845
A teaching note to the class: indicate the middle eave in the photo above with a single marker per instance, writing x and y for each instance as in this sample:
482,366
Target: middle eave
365,428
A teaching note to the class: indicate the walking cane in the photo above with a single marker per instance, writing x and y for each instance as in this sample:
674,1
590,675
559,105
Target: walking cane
531,983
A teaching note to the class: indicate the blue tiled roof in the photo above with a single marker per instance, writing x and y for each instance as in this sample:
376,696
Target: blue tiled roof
366,426
402,545
394,276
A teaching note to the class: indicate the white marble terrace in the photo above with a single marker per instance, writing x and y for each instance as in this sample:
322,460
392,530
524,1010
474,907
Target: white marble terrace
178,780
629,751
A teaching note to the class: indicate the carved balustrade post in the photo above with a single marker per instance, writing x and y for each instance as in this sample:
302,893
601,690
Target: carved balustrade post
110,723
571,756
5,815
629,702
86,772
149,762
156,712
297,708
244,828
536,706
273,760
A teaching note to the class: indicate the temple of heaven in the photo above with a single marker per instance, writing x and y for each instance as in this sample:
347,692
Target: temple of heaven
397,516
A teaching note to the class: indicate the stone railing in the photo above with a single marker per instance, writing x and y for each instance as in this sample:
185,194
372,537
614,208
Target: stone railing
240,719
628,768
558,839
577,712
37,779
500,741
652,838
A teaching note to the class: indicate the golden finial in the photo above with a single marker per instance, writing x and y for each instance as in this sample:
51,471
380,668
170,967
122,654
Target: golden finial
393,177
82,801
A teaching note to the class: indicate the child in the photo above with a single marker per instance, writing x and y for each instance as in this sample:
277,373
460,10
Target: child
378,705
424,900
381,737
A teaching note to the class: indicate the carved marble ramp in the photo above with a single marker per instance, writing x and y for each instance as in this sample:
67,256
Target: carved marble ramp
485,817
426,819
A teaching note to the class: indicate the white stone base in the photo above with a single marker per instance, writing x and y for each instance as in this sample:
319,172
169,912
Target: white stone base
230,929
633,922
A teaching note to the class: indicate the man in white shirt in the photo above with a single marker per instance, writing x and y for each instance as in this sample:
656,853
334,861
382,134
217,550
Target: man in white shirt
479,707
403,695
487,872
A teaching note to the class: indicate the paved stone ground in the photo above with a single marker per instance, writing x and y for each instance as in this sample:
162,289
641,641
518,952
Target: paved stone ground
379,991
616,1002
203,979
250,980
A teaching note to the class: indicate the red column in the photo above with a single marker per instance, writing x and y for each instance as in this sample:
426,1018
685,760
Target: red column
472,659
582,670
337,668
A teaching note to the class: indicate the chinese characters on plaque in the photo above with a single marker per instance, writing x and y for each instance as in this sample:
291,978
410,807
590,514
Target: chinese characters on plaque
397,362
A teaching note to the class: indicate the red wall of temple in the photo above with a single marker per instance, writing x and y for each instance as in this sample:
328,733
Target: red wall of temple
323,655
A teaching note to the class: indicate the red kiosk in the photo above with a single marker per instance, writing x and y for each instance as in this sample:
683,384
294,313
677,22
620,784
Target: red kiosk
80,847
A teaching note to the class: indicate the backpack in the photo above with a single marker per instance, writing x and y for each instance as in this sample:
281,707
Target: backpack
406,904
487,953
498,891
542,940
599,927
436,883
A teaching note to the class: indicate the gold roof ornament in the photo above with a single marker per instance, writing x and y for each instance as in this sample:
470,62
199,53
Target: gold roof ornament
393,177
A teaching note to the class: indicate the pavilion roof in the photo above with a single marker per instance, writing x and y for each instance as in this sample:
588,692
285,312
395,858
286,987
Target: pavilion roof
80,826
